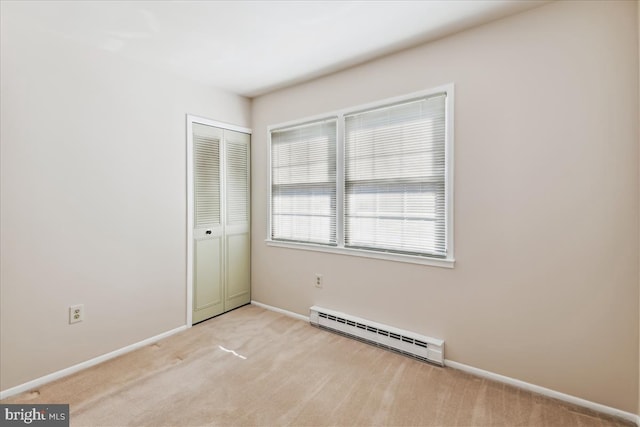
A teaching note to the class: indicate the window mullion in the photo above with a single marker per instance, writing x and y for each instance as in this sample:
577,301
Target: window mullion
340,182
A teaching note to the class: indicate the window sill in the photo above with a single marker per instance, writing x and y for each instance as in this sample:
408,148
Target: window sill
412,259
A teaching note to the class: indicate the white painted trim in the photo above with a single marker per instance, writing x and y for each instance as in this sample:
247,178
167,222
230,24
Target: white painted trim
388,256
86,364
215,123
190,215
281,311
544,391
339,180
449,168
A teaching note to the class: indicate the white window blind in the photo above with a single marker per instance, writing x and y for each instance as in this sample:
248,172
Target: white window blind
395,178
303,183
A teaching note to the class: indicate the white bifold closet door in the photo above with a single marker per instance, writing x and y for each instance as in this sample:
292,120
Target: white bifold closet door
222,252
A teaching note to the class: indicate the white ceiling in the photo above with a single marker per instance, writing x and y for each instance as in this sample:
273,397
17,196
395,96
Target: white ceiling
252,47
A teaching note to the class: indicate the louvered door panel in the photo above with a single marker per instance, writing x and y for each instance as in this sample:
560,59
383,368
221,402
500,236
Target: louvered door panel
237,242
208,290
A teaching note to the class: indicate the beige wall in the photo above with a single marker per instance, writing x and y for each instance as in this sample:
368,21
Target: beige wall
545,288
93,198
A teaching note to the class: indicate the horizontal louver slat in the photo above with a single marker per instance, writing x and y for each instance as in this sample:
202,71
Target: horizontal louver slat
237,183
207,180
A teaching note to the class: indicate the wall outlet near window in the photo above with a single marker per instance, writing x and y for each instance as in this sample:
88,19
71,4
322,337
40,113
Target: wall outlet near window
319,281
76,313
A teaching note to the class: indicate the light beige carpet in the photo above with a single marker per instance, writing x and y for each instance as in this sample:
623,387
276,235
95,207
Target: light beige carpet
255,367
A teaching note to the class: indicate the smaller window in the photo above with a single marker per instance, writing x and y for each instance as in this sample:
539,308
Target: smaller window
303,183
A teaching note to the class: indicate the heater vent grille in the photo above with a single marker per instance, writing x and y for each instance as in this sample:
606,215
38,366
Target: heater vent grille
409,343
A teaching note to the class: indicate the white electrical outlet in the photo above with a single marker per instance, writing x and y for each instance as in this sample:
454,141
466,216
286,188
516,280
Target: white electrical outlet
76,313
319,281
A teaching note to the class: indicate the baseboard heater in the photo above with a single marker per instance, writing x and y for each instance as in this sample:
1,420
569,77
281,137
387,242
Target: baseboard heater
405,342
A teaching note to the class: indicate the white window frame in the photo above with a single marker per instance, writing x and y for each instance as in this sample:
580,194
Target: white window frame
449,260
295,125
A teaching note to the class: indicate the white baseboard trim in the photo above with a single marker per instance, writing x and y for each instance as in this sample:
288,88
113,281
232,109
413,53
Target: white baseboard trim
86,364
450,363
503,379
281,311
544,391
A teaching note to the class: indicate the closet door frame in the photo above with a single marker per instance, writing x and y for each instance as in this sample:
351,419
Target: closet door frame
191,119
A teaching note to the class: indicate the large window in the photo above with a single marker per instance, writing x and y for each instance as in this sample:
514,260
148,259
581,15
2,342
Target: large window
369,181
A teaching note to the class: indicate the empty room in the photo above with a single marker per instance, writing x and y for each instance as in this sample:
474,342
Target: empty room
309,213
